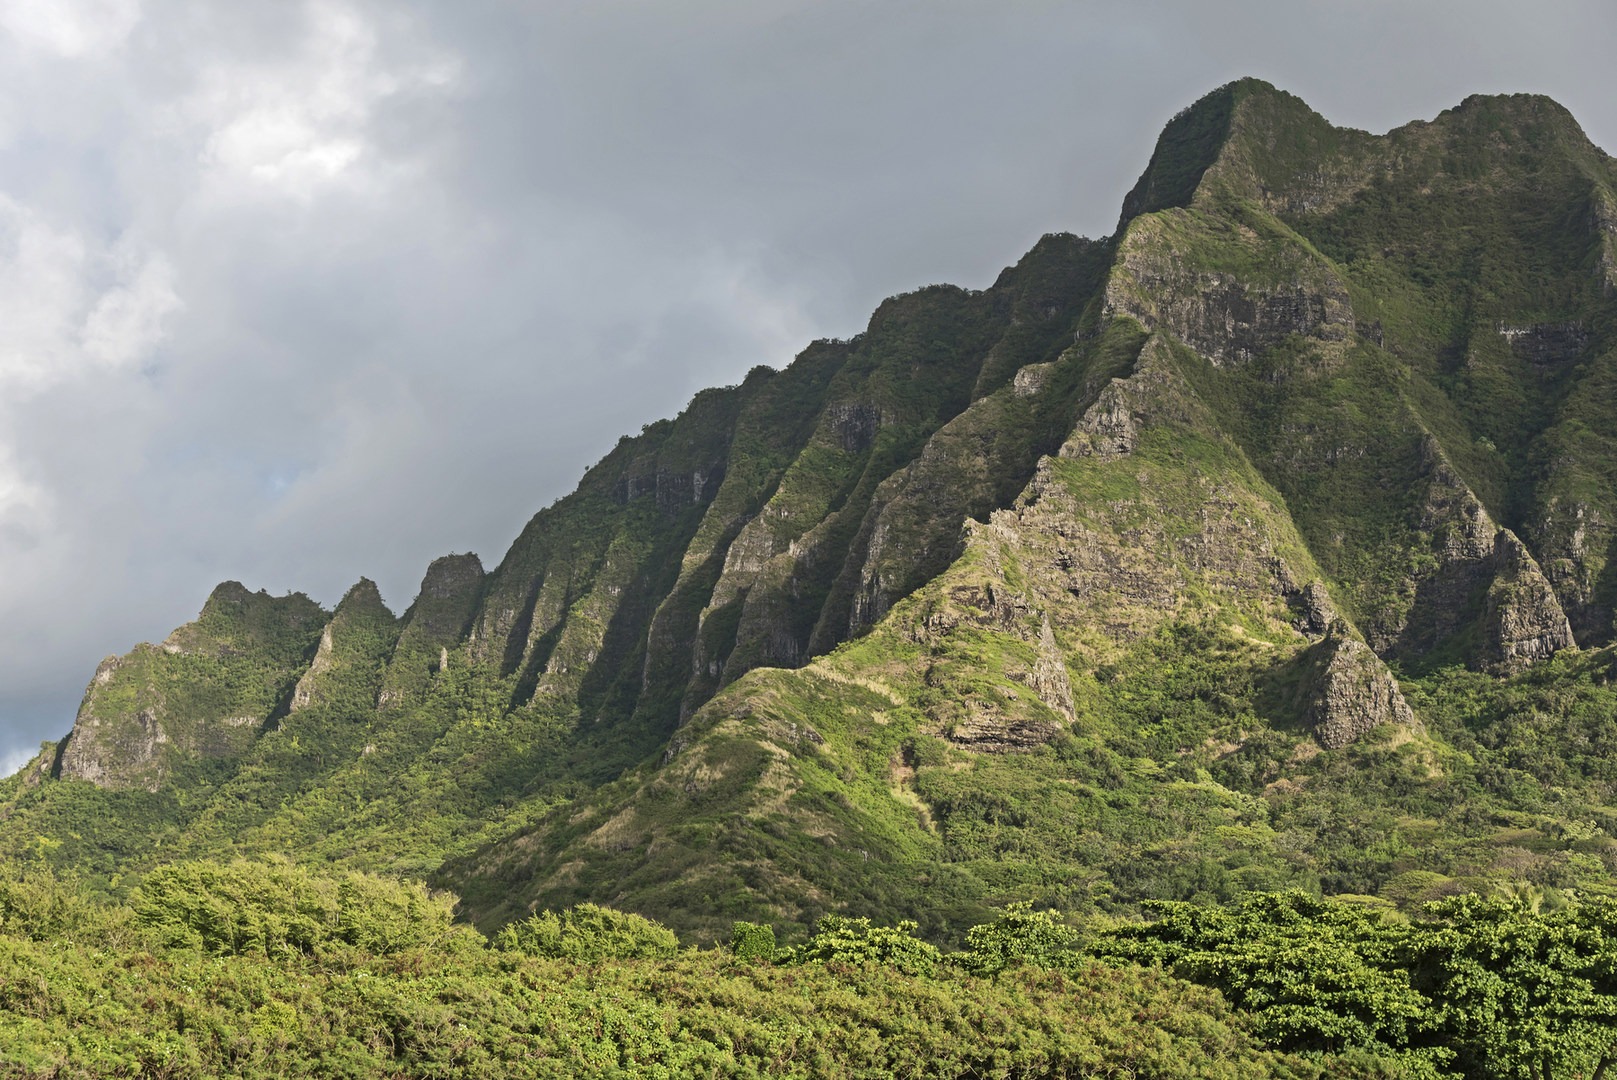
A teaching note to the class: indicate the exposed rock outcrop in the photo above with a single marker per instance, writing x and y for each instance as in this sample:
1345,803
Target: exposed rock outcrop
1605,227
1152,393
440,616
1442,589
1316,613
1149,516
988,728
303,694
1109,428
1548,347
204,693
361,627
449,590
1132,542
1049,678
112,747
673,490
1227,318
1348,691
854,424
1522,621
1575,541
1478,571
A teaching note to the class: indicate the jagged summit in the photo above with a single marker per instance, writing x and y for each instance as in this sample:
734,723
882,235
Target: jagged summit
204,694
1249,140
1149,571
1535,116
1245,121
362,596
1185,150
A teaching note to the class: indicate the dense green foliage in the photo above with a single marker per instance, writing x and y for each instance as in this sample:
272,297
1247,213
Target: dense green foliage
242,909
1487,987
94,991
261,969
588,933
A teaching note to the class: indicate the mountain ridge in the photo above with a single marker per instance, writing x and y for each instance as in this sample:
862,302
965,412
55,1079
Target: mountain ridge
1190,521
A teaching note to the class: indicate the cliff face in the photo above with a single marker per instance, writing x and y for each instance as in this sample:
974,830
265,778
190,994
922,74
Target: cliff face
1326,402
1308,436
1349,692
204,693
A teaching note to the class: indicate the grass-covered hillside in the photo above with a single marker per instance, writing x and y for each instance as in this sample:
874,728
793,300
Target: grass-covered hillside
1263,545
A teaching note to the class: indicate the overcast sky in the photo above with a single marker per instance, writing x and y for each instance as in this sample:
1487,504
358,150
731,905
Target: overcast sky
295,291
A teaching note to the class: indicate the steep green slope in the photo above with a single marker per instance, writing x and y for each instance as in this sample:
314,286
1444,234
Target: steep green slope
1123,688
964,749
1266,543
705,546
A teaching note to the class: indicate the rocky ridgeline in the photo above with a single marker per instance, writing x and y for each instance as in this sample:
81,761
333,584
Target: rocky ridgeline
777,566
205,693
1270,413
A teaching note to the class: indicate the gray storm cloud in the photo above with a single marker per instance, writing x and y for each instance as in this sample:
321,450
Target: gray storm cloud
292,292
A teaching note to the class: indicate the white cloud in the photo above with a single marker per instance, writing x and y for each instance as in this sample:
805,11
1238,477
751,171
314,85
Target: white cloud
127,321
71,29
21,501
68,307
42,293
293,126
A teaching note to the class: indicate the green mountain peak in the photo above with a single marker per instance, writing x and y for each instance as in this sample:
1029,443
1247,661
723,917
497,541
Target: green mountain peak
362,596
1270,542
1186,149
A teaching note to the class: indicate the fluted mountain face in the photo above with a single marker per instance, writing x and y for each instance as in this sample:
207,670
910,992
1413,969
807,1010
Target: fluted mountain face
1266,542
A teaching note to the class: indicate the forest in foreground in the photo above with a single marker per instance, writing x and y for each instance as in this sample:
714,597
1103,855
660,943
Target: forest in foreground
267,969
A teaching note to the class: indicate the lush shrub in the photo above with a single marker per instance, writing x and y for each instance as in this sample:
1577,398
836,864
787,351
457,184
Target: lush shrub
842,940
751,941
270,908
589,933
1019,936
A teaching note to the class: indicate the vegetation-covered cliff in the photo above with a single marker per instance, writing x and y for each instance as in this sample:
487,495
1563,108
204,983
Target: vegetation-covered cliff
1267,543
